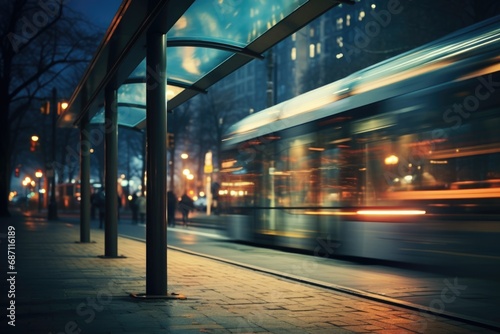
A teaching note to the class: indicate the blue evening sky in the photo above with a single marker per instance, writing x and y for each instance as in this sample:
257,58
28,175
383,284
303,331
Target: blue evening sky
101,12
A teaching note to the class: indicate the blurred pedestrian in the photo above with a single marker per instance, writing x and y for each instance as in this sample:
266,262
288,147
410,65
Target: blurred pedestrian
93,205
101,207
215,197
141,208
186,204
171,206
134,209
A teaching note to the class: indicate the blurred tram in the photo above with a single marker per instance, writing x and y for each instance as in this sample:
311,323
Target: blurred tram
399,161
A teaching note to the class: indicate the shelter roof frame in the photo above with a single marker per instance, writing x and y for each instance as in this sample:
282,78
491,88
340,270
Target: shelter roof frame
119,59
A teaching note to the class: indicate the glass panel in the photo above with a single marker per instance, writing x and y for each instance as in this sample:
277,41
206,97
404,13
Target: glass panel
466,158
132,93
230,22
186,64
173,91
127,116
189,64
98,117
140,70
136,93
234,22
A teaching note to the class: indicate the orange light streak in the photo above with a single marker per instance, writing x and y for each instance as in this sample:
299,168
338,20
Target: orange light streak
391,212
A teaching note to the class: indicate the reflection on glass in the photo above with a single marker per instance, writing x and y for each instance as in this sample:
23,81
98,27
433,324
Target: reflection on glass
127,116
387,166
236,23
132,93
189,64
173,91
231,22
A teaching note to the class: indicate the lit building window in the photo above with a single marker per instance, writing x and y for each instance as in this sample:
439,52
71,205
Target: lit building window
318,48
312,50
361,15
311,32
340,22
340,41
294,37
348,20
293,54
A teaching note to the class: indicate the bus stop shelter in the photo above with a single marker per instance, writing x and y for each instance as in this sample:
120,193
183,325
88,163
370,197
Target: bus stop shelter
155,55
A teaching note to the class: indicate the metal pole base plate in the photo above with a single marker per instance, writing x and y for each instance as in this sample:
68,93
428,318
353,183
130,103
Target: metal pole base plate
172,295
112,257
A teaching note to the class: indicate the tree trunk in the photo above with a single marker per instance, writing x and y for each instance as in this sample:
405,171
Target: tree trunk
5,154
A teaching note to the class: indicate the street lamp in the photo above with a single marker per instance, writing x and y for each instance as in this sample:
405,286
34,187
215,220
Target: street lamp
39,175
184,157
34,141
62,106
189,177
26,183
57,108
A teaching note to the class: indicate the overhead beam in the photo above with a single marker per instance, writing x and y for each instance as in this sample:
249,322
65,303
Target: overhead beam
347,2
170,82
214,45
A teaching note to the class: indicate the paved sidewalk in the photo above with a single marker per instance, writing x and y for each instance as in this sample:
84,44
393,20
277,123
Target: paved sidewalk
64,287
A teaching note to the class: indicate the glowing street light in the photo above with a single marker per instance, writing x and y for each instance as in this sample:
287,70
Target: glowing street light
34,141
61,106
391,160
185,171
39,175
26,181
189,177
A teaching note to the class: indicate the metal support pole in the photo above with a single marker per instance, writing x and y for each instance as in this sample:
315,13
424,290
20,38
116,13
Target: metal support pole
111,173
52,209
85,180
144,159
156,204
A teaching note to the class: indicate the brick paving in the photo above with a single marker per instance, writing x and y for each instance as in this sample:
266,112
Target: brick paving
65,287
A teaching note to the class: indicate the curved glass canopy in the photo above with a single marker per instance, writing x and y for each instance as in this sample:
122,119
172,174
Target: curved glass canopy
236,23
206,41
